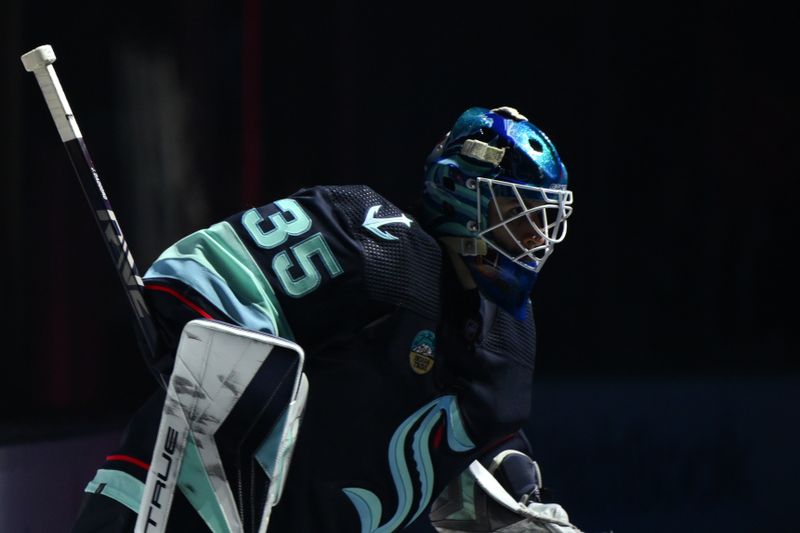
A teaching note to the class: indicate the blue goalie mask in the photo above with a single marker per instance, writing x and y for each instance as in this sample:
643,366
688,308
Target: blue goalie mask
496,186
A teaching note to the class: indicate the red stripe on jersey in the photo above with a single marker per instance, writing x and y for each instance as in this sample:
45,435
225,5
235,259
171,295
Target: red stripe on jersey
437,437
180,297
128,459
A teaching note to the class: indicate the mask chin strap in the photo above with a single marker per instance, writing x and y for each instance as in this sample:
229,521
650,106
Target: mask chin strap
466,246
459,247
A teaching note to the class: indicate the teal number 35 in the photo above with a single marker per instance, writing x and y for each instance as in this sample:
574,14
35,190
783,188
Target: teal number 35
302,252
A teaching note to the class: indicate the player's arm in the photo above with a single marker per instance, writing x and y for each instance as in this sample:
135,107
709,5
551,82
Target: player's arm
290,269
212,274
293,268
209,274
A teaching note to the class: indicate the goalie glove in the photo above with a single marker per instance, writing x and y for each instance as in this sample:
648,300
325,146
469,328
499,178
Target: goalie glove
501,499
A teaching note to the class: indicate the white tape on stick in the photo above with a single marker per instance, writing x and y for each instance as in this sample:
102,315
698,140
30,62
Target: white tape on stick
38,58
40,61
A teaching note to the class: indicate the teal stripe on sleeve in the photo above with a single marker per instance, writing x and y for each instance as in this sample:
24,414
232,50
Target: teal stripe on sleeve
119,486
217,264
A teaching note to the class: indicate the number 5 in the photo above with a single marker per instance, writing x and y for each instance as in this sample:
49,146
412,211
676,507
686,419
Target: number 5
310,280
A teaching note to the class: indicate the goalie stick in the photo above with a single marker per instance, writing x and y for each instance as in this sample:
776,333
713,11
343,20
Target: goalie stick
230,380
40,61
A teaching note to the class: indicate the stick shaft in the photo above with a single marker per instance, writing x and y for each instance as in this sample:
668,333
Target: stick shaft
103,214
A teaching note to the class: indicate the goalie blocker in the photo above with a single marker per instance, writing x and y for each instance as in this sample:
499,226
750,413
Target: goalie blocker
231,416
225,439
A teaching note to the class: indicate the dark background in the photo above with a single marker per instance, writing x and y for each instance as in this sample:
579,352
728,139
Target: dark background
666,396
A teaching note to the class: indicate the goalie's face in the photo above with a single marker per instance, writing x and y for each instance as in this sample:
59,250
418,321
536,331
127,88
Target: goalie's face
519,233
523,222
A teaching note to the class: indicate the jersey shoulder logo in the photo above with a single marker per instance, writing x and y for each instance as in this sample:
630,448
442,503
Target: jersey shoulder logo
422,352
373,224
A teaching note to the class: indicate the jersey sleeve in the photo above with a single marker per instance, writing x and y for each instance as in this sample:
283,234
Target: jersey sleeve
313,267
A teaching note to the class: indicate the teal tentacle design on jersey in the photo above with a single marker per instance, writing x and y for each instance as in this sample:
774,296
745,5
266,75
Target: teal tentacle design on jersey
217,264
457,437
422,457
369,506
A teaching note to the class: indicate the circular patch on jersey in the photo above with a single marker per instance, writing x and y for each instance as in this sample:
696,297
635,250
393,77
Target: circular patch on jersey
421,354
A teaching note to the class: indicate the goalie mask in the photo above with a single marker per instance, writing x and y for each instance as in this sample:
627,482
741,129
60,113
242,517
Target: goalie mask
496,191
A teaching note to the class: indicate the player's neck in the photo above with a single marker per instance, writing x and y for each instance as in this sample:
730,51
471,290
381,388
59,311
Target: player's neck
462,272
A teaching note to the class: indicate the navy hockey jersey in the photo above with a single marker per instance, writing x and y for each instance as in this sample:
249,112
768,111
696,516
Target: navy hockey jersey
411,377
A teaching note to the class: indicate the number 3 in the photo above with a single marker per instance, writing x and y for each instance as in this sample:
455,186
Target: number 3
299,224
